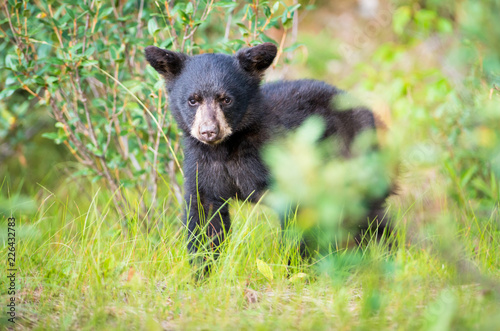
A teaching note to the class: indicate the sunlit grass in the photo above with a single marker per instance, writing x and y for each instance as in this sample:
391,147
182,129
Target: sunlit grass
79,268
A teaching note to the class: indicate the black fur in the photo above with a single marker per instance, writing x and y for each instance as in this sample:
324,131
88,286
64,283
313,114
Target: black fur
233,168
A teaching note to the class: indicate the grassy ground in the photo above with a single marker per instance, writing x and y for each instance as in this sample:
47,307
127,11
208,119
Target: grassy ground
78,270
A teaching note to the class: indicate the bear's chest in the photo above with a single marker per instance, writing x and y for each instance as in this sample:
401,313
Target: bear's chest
241,174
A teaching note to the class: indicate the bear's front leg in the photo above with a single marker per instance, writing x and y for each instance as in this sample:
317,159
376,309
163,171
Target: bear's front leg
207,222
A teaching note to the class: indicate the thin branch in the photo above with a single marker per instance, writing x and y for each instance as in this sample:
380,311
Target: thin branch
83,99
7,14
206,12
172,32
85,153
149,113
280,48
228,24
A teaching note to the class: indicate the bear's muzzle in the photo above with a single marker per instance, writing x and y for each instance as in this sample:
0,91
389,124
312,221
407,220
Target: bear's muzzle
210,125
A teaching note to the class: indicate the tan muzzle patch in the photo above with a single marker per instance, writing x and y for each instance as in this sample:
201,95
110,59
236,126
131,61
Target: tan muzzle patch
210,125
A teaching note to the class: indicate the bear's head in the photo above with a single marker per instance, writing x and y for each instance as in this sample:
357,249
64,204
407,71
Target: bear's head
210,94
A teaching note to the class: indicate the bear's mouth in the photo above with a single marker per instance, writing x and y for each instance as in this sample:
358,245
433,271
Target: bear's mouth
212,141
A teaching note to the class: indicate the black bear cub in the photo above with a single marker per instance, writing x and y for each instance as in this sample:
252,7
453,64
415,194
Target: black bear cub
228,117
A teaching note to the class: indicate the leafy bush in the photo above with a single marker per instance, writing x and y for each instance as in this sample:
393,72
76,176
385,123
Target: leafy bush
84,63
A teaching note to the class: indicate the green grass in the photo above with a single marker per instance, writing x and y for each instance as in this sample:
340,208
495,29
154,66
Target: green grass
79,270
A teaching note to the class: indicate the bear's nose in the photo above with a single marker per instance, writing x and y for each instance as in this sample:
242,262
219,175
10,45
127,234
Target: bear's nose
209,131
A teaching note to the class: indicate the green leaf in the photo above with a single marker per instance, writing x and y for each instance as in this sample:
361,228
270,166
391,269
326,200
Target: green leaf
105,12
226,4
152,26
400,19
55,60
267,11
90,51
7,92
50,135
287,21
96,178
70,13
11,62
189,8
184,17
466,177
267,39
293,47
276,6
425,19
86,63
293,8
444,26
265,269
51,79
243,26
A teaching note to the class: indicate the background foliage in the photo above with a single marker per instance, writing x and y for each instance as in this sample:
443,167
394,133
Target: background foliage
89,161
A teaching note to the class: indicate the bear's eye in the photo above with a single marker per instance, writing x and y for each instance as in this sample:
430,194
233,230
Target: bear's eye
192,101
227,100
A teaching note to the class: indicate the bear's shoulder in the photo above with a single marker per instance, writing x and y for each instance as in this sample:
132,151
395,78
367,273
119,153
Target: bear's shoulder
289,103
303,88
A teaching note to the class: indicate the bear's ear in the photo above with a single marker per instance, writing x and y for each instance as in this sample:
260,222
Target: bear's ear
257,59
169,64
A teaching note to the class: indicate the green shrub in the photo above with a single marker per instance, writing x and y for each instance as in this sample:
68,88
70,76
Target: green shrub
84,64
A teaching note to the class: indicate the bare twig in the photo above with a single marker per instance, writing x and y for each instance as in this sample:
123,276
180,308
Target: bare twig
83,99
204,16
228,24
7,14
172,32
280,48
149,113
154,173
